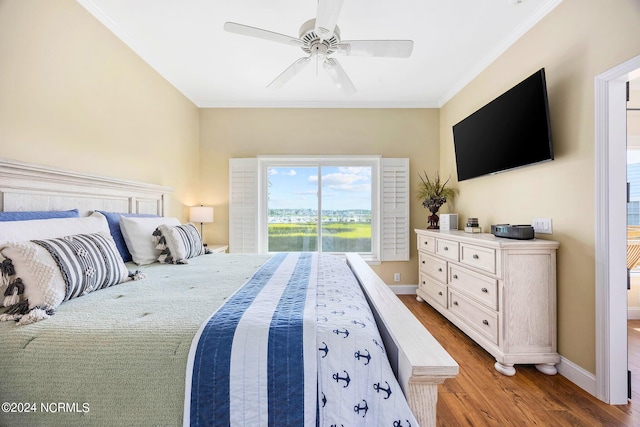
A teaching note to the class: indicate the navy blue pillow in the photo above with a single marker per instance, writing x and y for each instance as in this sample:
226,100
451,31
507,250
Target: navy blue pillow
29,215
113,219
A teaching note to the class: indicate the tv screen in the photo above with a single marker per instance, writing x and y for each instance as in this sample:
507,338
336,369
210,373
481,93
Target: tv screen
511,131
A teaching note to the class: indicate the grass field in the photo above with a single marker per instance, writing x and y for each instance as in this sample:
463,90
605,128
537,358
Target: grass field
336,237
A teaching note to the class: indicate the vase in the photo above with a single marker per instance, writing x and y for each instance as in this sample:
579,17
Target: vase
433,221
434,206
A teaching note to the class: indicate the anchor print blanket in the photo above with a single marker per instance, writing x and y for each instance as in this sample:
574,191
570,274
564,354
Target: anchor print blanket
297,345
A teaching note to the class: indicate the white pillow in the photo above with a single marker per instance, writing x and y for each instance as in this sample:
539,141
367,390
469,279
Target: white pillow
19,231
178,243
49,271
138,235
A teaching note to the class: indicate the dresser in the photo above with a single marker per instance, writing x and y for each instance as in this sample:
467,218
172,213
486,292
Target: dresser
500,292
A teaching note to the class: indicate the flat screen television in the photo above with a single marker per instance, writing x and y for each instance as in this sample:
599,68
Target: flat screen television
511,131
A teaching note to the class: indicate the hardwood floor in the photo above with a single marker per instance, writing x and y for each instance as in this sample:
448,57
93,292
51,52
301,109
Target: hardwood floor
480,396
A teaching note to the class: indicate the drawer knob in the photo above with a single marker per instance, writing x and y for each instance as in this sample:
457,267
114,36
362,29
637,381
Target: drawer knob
424,283
485,322
455,276
475,256
426,243
440,269
440,293
446,248
423,261
485,290
455,303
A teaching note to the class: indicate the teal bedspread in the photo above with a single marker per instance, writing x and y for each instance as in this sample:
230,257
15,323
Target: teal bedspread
117,356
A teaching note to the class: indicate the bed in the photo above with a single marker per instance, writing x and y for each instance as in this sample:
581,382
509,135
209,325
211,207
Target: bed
120,356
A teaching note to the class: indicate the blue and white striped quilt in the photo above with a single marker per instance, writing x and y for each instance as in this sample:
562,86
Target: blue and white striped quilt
295,346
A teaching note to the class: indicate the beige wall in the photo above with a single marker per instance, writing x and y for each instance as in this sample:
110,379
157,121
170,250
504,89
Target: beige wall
73,96
577,41
228,133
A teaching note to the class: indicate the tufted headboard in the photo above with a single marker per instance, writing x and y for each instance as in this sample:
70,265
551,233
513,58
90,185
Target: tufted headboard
29,187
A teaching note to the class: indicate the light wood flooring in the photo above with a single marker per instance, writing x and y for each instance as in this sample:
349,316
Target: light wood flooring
480,396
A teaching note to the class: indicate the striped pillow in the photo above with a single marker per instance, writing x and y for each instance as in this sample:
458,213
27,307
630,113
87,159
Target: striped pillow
178,243
45,273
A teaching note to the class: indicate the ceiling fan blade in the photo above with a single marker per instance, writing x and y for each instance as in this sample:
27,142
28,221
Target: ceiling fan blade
290,72
385,48
327,17
339,76
246,30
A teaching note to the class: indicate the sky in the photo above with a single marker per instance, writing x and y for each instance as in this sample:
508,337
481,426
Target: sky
343,188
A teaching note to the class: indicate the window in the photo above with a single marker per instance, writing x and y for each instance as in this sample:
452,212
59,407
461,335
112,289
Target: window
329,204
326,208
633,213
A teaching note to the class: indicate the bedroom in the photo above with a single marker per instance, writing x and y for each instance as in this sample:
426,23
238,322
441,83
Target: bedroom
88,103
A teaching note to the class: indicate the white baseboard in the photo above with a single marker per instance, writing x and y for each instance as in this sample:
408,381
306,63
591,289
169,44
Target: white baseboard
633,313
577,375
404,289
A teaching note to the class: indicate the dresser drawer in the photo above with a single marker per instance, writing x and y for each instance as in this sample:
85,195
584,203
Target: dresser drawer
434,267
447,249
478,257
435,290
479,318
481,288
426,243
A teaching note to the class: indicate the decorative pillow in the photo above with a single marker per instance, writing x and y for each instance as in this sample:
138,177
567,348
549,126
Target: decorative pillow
44,273
113,219
19,231
138,234
31,215
178,243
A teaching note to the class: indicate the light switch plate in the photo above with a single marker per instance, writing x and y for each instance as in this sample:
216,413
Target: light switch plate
542,225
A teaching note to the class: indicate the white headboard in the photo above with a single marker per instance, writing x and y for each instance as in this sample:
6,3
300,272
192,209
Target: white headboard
26,187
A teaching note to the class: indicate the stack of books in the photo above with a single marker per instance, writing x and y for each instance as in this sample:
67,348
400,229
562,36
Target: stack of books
472,226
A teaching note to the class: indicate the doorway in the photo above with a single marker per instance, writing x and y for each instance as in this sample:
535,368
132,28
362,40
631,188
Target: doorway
633,235
611,298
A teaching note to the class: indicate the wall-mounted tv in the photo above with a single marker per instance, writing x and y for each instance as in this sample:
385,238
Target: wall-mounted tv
511,131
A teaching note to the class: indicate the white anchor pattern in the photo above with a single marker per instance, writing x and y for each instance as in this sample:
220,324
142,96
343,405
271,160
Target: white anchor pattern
343,357
356,386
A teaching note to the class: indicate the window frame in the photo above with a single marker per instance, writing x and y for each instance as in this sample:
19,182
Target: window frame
266,162
394,203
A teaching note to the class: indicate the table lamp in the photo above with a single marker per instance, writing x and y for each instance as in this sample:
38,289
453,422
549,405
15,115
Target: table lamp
201,214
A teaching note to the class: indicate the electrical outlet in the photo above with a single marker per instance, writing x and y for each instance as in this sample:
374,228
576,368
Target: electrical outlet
396,277
542,225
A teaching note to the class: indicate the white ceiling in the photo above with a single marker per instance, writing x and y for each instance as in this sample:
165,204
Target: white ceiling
184,41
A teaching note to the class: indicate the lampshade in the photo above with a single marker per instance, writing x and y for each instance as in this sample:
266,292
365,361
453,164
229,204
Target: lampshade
201,214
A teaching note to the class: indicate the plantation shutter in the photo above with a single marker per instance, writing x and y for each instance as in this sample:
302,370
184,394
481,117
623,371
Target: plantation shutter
243,205
395,210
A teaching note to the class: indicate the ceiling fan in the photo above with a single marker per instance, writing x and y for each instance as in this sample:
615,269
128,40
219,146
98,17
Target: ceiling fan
319,38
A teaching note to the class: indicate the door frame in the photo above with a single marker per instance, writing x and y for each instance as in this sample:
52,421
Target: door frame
610,237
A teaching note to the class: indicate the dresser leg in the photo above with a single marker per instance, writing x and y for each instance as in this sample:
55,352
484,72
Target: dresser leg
419,298
505,369
547,368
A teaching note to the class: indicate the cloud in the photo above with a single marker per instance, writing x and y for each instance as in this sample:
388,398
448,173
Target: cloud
341,178
358,180
274,171
364,171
